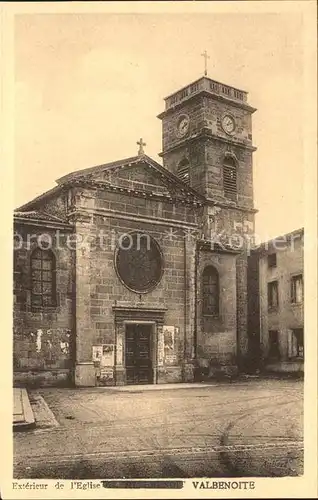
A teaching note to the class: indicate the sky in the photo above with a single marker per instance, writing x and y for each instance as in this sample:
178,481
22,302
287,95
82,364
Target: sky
88,86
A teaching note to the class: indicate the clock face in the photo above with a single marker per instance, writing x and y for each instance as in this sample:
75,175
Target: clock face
183,125
228,124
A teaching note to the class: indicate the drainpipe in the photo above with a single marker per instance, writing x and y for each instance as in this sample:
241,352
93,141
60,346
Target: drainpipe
73,339
195,332
185,308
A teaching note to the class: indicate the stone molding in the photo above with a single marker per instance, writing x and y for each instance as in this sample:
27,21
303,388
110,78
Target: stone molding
105,212
124,313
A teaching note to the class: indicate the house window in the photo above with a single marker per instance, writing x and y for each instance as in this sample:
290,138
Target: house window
272,293
230,178
272,260
297,289
210,292
183,171
273,339
296,343
43,291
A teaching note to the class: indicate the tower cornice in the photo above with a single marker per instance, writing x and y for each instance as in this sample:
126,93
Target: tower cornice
210,88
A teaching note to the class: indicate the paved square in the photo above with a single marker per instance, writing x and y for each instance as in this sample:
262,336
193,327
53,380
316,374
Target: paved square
251,428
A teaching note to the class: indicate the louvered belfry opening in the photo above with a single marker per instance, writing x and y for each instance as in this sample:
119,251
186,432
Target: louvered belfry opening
183,171
230,178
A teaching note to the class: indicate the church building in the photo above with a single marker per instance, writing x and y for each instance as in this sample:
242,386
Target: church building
134,272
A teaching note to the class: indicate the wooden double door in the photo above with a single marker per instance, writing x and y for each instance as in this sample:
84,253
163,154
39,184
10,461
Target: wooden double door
138,354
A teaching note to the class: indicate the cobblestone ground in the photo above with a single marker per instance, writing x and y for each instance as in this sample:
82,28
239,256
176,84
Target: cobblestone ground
240,429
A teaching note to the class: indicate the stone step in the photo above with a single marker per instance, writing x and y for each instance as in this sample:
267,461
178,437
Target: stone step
23,417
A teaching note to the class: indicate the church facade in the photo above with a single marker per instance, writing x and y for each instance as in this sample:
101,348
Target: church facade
136,273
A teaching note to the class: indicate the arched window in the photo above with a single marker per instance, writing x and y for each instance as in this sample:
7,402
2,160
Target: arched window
230,178
43,290
183,171
210,284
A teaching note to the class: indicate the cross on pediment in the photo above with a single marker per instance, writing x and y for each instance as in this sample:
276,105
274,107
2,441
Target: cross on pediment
141,145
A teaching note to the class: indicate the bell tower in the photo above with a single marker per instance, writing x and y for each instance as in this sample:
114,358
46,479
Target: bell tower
207,140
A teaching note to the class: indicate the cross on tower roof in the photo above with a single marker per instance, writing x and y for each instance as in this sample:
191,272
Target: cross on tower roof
206,57
141,145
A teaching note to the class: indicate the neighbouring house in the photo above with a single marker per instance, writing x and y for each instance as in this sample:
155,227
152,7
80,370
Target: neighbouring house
276,303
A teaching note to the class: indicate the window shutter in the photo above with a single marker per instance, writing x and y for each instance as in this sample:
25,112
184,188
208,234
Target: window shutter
299,290
183,171
230,178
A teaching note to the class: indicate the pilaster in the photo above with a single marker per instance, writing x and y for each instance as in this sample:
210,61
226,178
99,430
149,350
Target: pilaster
84,367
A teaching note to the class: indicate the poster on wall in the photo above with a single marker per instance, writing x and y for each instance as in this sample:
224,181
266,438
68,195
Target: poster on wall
97,353
170,359
104,354
106,376
160,346
169,333
119,350
168,338
108,355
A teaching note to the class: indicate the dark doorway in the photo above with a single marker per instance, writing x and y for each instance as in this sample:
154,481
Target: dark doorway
138,354
273,353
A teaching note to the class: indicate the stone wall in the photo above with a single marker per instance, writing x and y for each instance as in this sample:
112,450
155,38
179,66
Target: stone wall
235,228
253,314
216,337
42,337
100,291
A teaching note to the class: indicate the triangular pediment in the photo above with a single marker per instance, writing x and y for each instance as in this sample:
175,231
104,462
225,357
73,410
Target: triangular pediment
140,174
